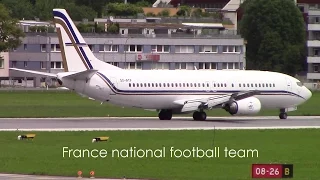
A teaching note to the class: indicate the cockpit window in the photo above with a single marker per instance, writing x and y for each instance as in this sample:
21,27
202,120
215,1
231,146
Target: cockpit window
299,84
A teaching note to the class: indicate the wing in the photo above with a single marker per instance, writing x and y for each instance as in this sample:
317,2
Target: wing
215,101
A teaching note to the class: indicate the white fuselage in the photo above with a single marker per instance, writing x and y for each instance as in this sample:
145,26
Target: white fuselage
159,89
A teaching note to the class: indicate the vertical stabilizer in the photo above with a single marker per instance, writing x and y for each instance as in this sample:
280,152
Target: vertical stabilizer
76,54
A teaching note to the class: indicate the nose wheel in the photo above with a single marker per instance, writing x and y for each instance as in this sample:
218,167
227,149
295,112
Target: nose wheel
283,114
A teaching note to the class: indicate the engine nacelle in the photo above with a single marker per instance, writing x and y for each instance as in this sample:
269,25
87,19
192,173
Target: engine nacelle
247,106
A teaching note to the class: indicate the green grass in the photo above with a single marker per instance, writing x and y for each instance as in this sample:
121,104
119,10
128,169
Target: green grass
69,104
43,155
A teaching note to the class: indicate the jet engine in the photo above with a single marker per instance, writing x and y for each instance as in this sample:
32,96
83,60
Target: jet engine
247,106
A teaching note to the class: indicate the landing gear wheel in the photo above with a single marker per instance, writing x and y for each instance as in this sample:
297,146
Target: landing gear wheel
199,116
165,115
283,115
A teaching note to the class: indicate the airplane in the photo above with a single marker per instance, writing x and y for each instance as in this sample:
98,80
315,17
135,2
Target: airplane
168,92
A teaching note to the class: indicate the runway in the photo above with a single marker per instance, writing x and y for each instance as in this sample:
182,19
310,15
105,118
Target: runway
177,123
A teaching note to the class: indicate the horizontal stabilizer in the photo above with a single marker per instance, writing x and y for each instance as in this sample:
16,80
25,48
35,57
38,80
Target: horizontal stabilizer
83,75
34,72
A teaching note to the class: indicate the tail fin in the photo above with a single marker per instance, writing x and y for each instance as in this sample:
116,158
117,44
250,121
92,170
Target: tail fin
76,54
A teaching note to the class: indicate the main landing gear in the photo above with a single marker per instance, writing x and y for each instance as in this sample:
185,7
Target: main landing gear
283,114
165,114
199,116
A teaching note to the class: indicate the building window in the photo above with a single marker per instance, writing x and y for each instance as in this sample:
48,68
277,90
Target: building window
134,65
43,47
25,64
160,48
184,49
181,66
133,48
207,65
42,65
108,48
55,47
1,63
56,65
91,47
208,49
315,68
14,64
231,49
160,65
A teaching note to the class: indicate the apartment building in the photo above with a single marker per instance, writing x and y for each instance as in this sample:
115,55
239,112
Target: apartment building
142,45
311,11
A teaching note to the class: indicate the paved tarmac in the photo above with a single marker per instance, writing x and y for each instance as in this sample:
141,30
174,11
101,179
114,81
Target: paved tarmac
153,123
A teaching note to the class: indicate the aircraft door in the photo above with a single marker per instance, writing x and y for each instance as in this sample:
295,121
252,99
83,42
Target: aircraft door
289,85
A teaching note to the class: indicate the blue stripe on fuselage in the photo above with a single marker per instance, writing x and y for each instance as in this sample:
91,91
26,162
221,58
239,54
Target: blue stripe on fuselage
116,90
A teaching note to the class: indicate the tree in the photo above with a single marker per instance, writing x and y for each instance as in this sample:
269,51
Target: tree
164,13
20,9
10,33
275,34
121,9
184,11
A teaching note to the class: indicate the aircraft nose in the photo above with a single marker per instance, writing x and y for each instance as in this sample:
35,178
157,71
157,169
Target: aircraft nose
307,93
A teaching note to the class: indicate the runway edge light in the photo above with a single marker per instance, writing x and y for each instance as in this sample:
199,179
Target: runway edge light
91,174
26,136
97,139
79,174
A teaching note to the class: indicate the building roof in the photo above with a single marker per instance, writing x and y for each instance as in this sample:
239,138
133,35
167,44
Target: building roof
205,25
151,25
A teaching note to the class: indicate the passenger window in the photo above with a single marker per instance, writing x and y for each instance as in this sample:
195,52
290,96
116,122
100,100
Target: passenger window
262,84
190,84
259,85
176,84
141,85
251,85
148,84
232,85
221,85
137,84
152,85
256,85
133,85
225,85
195,84
159,84
183,84
187,84
274,85
239,85
164,84
207,84
244,85
218,85
266,85
202,84
129,84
